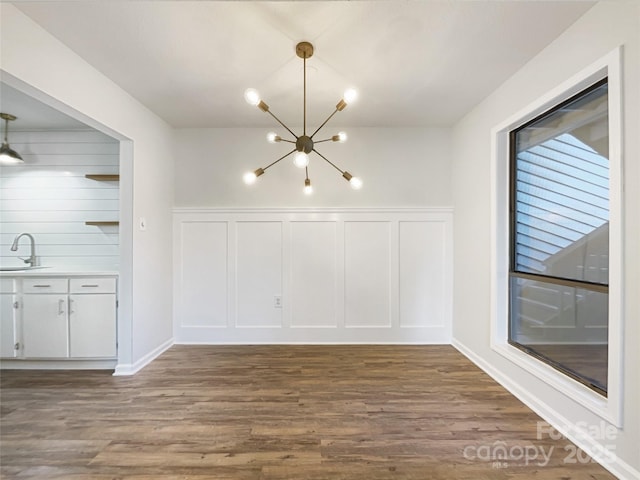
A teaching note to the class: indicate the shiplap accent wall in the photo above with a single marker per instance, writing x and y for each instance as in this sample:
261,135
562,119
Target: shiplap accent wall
344,275
49,197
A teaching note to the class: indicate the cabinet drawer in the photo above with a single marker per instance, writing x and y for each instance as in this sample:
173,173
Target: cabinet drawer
7,285
92,285
45,285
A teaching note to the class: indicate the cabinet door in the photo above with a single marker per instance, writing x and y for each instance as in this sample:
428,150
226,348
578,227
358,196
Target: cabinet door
45,326
8,334
92,325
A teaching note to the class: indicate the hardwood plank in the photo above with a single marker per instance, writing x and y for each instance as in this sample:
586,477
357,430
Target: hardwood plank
275,412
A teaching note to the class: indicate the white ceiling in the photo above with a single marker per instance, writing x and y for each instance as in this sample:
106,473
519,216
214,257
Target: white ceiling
413,62
32,114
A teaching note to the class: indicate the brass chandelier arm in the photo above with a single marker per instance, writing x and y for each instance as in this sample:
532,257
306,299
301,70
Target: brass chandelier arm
281,158
325,140
280,122
285,140
324,123
329,161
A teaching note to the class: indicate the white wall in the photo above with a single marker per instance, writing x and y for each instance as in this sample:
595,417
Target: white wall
36,63
372,265
49,197
399,167
601,30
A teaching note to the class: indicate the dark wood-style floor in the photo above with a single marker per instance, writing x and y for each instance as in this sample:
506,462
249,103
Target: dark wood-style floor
278,412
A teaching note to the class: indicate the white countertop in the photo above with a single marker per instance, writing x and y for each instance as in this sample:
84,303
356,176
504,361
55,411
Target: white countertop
68,271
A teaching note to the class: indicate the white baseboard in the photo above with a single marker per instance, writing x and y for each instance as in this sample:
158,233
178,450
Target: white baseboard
28,364
320,336
131,369
575,433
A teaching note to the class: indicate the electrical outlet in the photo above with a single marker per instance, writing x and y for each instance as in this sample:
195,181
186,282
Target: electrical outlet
277,301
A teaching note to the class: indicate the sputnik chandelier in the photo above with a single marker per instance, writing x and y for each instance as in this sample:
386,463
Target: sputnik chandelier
304,144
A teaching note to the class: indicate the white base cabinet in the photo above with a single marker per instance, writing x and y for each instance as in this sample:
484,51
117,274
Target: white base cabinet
60,318
8,321
44,318
92,326
44,326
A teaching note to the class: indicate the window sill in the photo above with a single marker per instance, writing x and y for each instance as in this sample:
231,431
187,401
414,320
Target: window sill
573,389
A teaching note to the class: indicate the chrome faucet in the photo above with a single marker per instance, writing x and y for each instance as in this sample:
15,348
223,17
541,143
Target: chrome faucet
32,260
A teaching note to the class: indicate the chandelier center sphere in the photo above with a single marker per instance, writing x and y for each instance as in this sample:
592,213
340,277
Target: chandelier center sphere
304,144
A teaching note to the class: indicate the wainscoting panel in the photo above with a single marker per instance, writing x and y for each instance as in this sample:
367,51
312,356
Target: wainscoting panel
313,275
367,283
203,273
423,271
259,273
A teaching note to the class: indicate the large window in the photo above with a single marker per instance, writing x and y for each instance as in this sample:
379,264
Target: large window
559,237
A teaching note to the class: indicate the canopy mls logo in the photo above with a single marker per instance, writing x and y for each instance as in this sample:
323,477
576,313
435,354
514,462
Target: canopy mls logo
499,453
502,455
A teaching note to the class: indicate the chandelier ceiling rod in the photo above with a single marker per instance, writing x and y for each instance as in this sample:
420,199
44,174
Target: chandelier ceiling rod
304,144
306,48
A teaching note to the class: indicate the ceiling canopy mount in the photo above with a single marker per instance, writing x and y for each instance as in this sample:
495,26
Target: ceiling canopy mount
304,50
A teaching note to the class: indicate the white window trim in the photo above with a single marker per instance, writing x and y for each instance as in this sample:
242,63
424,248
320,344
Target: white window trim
610,407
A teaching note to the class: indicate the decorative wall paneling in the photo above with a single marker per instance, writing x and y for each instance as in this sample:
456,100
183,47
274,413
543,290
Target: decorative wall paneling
312,276
49,197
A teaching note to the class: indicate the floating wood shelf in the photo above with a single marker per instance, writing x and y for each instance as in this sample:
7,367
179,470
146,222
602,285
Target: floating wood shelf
103,177
102,224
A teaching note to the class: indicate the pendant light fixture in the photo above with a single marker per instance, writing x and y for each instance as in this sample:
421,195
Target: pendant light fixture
7,155
304,144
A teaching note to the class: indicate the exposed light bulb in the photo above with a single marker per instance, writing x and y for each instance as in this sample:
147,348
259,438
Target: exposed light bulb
272,137
252,96
301,159
308,189
355,183
342,137
249,178
350,95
